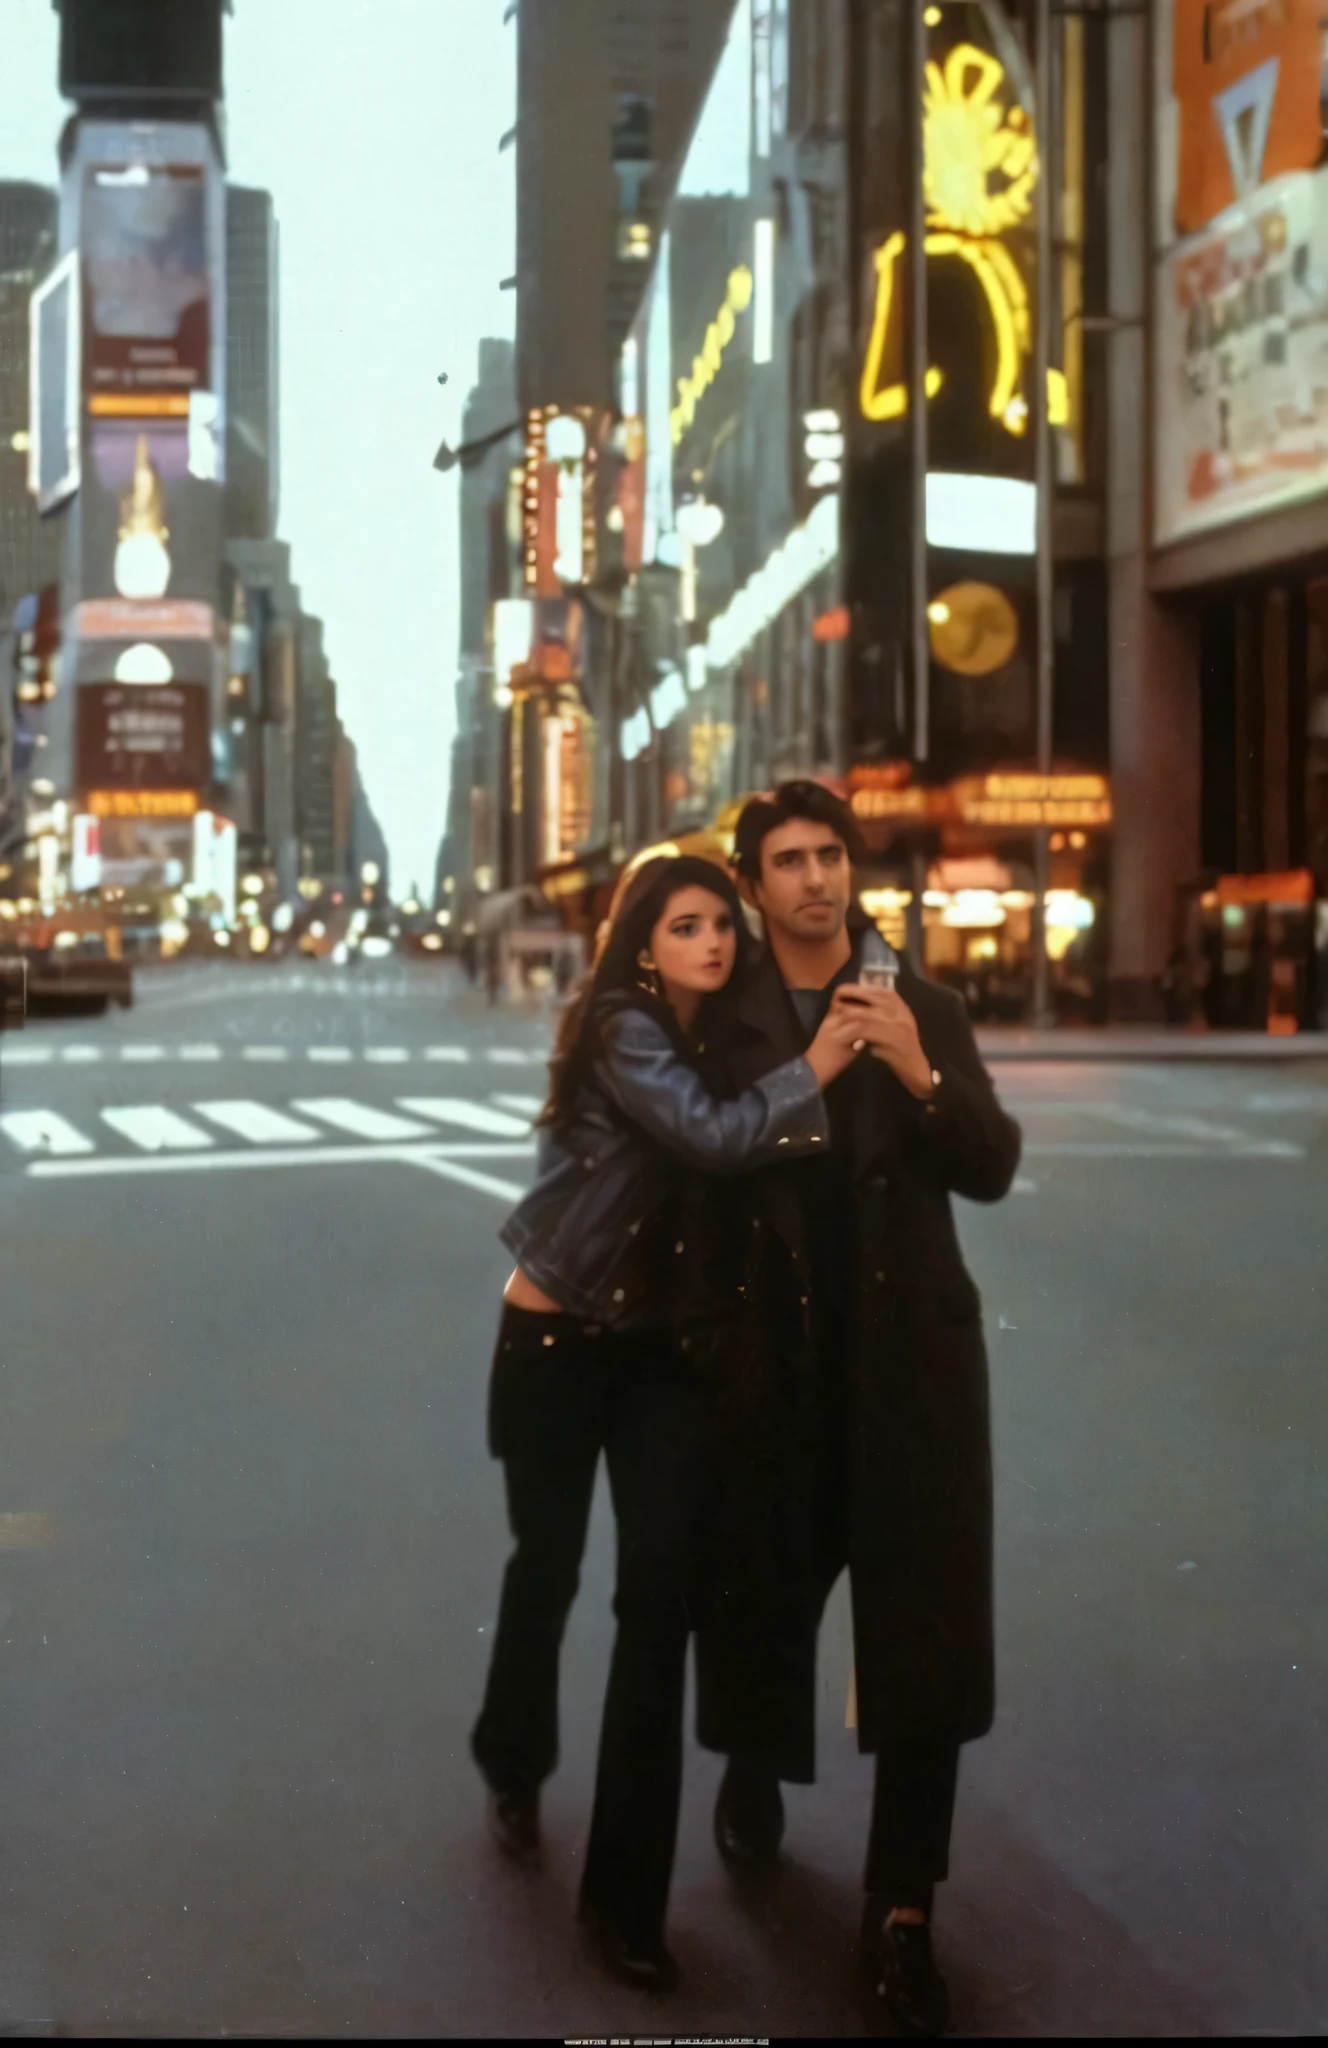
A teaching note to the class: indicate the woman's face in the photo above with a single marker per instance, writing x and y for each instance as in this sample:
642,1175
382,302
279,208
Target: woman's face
694,944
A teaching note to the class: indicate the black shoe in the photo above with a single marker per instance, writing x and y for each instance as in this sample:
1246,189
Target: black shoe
897,1956
514,1824
646,1964
749,1818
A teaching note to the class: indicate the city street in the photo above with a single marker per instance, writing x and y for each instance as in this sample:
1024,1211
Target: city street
251,1540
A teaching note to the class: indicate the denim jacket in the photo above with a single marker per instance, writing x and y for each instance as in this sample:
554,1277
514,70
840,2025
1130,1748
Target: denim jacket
642,1118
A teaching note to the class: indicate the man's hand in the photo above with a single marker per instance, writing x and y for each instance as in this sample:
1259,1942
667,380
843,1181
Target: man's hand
835,1045
883,1020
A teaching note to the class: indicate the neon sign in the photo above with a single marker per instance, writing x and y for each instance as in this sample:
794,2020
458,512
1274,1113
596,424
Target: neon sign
705,367
980,167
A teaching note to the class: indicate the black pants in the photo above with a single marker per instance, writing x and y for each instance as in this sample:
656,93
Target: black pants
908,1849
561,1393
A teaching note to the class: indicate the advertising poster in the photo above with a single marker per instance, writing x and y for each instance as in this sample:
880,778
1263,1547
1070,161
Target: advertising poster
1240,370
1242,361
147,323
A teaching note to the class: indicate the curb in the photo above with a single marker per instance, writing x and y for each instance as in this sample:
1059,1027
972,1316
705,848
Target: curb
1110,1047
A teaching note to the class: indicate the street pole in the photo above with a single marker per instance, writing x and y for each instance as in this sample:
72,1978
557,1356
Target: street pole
917,415
1043,1013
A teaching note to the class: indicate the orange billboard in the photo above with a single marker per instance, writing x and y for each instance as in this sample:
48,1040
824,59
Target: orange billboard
1245,76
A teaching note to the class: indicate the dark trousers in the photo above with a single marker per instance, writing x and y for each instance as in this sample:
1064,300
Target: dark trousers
561,1393
908,1849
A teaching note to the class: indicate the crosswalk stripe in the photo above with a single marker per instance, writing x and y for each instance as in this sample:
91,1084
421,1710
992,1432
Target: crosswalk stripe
520,1105
510,1056
387,1055
331,1055
457,1054
266,1052
470,1177
156,1129
41,1130
81,1055
358,1118
200,1052
469,1116
257,1122
142,1053
25,1055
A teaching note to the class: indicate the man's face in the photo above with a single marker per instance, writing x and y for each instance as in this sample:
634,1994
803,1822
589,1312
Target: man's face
805,880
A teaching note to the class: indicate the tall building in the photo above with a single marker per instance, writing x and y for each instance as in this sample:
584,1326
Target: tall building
316,739
30,547
475,809
252,362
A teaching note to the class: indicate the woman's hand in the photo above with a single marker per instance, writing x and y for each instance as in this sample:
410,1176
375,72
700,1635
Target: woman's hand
835,1045
883,1020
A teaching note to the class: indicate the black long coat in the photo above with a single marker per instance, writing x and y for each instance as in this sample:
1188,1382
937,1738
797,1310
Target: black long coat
914,1461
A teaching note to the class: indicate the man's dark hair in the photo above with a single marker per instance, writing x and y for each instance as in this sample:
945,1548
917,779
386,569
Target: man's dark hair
800,799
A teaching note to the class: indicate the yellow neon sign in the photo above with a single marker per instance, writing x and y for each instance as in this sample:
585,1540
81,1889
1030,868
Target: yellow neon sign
705,366
969,137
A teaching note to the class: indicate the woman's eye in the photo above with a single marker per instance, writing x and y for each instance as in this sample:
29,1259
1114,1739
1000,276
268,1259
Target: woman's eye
724,923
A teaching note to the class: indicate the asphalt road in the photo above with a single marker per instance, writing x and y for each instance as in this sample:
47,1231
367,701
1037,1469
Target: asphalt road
250,1545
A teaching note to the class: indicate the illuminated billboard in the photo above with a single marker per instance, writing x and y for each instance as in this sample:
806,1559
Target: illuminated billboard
55,385
136,737
147,313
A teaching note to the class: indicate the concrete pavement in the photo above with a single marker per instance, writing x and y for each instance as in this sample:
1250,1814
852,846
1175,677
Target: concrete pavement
250,1546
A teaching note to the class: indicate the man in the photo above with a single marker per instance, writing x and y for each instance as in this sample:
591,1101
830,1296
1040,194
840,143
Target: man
898,1414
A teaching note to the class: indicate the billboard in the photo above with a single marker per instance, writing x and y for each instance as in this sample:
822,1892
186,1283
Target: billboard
1242,361
147,313
1240,340
55,386
143,737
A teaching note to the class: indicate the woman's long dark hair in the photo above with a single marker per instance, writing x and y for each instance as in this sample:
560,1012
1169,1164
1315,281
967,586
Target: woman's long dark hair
617,978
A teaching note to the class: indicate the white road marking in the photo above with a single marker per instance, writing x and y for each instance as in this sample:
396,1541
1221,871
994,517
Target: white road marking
508,1056
257,1122
41,1130
239,1161
1021,1185
330,1055
81,1055
486,1183
25,1055
142,1053
1176,1126
520,1105
156,1129
273,1053
387,1055
200,1052
1255,1149
471,1116
455,1053
358,1118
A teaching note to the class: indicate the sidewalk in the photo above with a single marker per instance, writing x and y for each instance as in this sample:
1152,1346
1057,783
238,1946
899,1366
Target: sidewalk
1113,1042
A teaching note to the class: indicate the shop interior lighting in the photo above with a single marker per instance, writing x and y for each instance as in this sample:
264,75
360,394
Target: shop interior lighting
667,699
824,420
809,549
825,476
634,735
994,515
696,667
513,635
763,291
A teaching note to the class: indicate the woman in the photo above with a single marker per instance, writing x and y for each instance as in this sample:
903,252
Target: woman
588,1360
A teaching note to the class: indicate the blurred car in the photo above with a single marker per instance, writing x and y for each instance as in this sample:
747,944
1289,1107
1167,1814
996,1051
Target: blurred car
73,962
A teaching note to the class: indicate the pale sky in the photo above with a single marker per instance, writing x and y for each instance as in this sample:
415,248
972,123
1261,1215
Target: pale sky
376,130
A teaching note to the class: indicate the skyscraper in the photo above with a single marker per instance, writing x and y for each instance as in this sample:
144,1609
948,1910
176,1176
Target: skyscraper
252,397
29,243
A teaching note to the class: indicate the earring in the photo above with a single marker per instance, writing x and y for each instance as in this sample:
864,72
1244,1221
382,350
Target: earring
650,980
